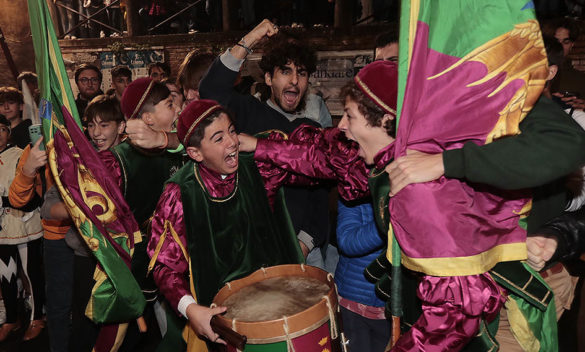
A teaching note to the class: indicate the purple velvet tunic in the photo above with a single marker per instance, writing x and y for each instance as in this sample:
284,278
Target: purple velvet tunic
453,306
171,265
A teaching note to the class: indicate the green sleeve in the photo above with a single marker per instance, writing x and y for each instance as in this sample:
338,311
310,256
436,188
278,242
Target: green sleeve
551,145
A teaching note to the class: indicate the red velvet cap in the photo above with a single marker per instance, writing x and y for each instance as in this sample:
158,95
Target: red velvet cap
135,95
192,116
379,81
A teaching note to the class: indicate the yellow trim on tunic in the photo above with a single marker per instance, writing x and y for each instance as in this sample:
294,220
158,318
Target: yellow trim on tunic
462,266
194,343
520,327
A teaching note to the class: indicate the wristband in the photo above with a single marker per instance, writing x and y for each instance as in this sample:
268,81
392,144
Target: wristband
242,43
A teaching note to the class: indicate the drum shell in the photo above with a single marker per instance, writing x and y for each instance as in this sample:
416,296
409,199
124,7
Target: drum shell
316,317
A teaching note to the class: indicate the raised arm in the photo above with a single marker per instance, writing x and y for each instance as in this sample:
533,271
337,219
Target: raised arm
318,153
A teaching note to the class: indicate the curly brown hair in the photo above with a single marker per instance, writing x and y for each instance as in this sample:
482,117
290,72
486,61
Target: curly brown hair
372,112
284,49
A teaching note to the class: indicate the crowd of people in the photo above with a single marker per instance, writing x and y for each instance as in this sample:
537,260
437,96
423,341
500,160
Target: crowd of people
209,213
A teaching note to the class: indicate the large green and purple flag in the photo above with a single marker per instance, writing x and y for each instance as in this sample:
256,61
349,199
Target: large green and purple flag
91,195
469,71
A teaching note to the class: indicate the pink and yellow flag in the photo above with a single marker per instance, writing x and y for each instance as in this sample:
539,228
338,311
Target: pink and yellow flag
469,71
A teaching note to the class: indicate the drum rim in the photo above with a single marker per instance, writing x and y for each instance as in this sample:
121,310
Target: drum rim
299,324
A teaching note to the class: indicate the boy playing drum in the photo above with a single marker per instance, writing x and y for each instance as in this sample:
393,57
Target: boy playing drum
220,218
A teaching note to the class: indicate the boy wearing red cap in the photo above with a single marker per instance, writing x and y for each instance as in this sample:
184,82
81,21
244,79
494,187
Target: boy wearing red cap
220,218
141,175
326,154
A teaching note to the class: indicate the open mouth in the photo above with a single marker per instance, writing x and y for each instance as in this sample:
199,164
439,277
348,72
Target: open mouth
99,143
232,159
291,96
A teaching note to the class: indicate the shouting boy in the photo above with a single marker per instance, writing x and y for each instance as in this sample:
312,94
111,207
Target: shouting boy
221,203
141,174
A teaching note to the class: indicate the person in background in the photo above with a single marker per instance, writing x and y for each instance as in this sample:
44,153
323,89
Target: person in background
362,312
176,93
568,84
192,69
387,46
89,80
11,106
135,170
159,71
105,124
20,242
31,180
287,64
121,78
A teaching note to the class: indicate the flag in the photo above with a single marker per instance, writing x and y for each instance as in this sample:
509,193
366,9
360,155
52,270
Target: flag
469,71
90,194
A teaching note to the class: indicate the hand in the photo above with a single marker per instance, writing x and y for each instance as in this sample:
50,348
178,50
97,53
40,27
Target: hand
540,249
36,159
414,167
263,29
143,136
200,321
247,142
573,101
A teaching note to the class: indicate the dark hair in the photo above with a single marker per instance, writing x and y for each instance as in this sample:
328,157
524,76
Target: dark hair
199,131
158,93
554,51
106,107
284,49
28,77
193,68
570,25
10,94
386,38
162,65
372,112
4,121
121,70
84,67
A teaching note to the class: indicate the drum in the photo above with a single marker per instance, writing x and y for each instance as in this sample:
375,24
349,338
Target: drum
284,308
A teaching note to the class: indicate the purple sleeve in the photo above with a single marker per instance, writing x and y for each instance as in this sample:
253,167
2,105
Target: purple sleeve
171,265
318,153
112,164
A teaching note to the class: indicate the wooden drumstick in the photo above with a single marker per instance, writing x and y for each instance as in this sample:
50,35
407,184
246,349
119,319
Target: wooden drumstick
141,324
227,334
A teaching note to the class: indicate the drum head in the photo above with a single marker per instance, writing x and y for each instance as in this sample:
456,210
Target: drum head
274,298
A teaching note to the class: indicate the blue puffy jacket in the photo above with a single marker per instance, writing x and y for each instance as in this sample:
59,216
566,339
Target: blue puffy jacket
359,244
